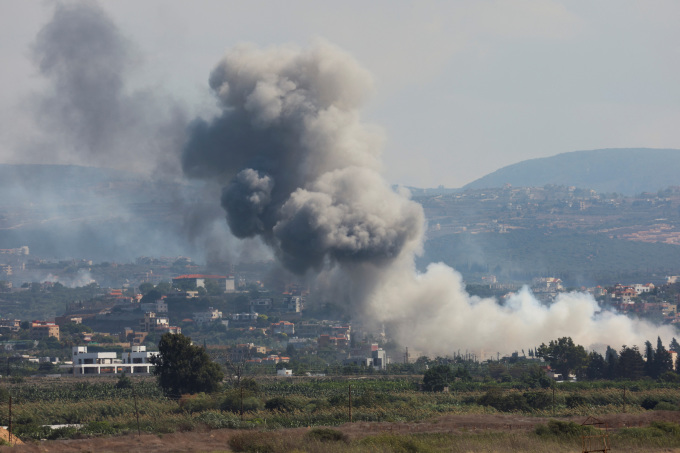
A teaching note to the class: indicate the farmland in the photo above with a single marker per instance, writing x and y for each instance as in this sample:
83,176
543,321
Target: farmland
387,413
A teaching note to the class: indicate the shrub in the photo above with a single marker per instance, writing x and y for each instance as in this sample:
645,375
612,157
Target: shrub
565,429
665,406
513,401
327,435
538,400
197,403
575,400
255,442
649,403
285,404
232,402
667,427
99,428
391,442
218,420
65,432
124,382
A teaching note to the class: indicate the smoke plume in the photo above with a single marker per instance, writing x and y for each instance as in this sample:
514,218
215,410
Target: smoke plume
88,114
301,171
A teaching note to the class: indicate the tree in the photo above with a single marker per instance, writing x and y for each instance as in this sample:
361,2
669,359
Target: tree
437,377
564,356
663,361
597,366
631,364
674,346
181,367
151,296
649,363
612,358
145,287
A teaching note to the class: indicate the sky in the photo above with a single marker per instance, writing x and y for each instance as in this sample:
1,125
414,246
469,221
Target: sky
460,88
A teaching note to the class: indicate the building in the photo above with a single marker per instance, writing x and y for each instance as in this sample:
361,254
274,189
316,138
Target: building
154,323
193,281
44,329
137,361
260,305
12,324
283,327
293,304
158,306
368,354
547,284
211,315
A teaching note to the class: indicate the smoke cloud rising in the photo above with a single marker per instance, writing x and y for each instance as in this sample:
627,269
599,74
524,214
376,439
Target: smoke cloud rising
302,172
89,113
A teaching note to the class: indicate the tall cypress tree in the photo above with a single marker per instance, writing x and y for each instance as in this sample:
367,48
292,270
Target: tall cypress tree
650,367
663,361
631,364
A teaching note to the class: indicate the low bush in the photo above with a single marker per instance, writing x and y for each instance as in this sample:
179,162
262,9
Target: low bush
665,406
99,428
575,400
327,435
285,403
563,429
218,420
255,442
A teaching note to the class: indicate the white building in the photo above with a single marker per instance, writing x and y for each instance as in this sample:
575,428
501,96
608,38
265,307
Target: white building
136,361
159,306
211,315
284,372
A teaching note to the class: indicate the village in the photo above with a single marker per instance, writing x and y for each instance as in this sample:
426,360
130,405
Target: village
246,326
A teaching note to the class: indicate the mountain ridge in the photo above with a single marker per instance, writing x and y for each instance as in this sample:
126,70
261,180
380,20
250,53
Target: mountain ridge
628,171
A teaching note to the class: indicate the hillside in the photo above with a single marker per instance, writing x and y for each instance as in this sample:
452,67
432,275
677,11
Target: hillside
628,171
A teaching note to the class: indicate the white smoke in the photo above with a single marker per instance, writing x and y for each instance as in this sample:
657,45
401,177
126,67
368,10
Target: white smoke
301,171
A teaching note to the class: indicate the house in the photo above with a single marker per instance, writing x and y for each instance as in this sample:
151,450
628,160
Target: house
12,324
643,288
293,304
153,323
261,305
44,329
211,315
283,327
136,361
375,357
547,284
368,354
158,306
193,281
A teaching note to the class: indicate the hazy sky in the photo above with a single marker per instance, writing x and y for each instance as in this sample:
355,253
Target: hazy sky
462,88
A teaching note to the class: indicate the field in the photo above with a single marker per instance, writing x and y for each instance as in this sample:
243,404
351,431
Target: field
313,415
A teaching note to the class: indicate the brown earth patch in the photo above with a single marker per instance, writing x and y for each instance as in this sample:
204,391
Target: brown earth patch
218,440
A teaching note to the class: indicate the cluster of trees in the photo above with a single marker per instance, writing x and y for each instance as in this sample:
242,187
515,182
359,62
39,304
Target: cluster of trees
566,358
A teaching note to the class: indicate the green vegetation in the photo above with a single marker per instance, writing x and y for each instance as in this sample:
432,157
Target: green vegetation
520,255
105,408
184,368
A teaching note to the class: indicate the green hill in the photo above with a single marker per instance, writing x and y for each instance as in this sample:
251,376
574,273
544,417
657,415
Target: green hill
628,171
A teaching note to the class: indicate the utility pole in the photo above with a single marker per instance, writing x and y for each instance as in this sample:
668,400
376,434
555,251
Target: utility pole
624,398
349,405
241,386
553,402
10,420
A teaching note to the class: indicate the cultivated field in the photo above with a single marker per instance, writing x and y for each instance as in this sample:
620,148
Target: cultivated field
313,415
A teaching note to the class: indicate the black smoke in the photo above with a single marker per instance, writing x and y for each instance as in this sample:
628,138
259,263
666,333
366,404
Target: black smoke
298,167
